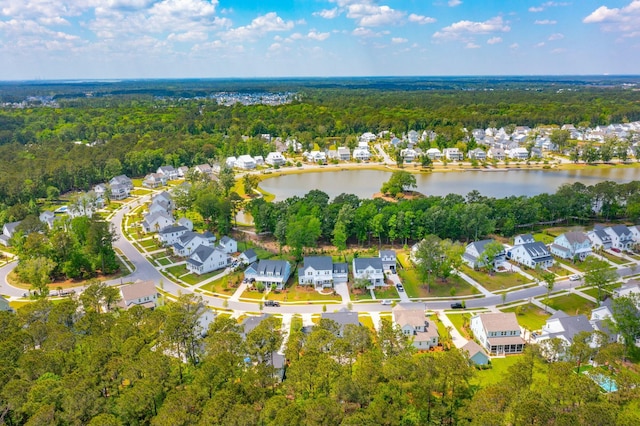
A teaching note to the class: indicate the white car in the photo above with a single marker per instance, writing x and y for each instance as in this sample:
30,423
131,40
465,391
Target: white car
575,277
386,302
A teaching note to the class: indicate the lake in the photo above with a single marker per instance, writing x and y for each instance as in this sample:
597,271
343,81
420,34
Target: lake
499,184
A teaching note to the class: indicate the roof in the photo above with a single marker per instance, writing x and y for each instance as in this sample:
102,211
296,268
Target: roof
499,321
11,226
138,289
388,253
342,317
365,262
340,268
249,253
600,233
480,245
170,229
620,230
572,325
526,237
276,267
537,250
576,237
319,263
225,240
405,314
507,340
202,252
252,322
473,348
4,304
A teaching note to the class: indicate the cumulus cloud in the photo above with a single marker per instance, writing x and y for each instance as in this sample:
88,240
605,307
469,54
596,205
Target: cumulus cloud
421,19
29,34
454,3
625,19
545,22
314,35
472,45
260,26
370,15
328,13
556,36
189,36
547,5
364,32
494,40
462,29
559,50
398,40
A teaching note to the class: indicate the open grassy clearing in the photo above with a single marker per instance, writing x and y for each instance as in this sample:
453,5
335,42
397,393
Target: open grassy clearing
414,288
615,259
571,304
497,281
458,320
529,316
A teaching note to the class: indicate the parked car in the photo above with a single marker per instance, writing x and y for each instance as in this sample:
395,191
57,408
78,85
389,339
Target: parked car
456,305
617,250
386,302
399,287
272,303
575,277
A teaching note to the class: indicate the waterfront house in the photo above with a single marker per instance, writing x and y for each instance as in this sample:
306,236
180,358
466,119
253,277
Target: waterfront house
361,154
497,154
519,153
245,162
343,153
434,154
369,268
453,154
498,333
275,159
571,245
478,154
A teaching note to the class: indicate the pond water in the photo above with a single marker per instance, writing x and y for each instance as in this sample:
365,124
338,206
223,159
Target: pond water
365,183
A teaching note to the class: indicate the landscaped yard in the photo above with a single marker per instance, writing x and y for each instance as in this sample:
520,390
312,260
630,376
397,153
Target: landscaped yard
151,244
222,284
365,319
543,238
458,320
578,265
497,281
164,261
298,293
498,370
572,304
615,259
559,270
593,292
362,294
529,316
389,292
414,288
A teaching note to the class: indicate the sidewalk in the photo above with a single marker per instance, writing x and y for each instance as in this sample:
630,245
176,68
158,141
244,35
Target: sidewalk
541,305
475,284
456,337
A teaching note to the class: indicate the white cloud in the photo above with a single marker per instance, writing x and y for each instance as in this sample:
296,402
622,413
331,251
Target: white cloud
364,32
314,35
398,40
28,34
547,5
260,26
328,13
454,3
189,36
559,50
514,46
536,9
494,40
462,29
472,45
545,22
421,19
370,15
625,19
556,36
540,44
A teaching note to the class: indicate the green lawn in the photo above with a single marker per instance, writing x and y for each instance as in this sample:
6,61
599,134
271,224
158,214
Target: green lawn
150,244
497,281
578,265
361,295
365,319
559,270
164,261
223,285
386,292
297,293
442,330
593,292
529,316
543,238
615,259
572,304
499,368
457,320
177,270
414,288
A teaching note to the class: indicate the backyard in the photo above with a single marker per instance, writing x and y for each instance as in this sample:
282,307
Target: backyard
571,304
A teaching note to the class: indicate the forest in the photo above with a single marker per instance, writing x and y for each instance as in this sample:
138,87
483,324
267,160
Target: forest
82,361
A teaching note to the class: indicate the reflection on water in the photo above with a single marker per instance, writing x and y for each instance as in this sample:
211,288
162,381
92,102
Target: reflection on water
365,183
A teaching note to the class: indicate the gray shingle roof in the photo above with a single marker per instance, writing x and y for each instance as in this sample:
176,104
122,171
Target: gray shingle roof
537,250
576,237
276,267
364,262
573,326
171,229
319,263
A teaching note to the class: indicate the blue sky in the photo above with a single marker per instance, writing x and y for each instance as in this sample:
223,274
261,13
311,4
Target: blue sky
105,39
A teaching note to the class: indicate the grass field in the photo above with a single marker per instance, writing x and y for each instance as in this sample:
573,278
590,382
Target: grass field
222,286
414,288
458,320
498,370
497,281
572,304
297,293
593,292
543,238
529,316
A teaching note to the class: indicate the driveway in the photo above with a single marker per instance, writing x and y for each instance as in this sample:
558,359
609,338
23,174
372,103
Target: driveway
456,337
395,279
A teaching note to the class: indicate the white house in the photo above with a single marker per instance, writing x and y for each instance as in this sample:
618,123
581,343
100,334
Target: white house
600,239
169,171
259,160
8,231
498,333
389,260
531,255
228,245
230,162
478,154
207,170
245,162
269,272
182,171
205,259
189,241
497,154
369,268
621,237
413,323
453,154
316,271
248,257
564,327
474,254
170,235
518,153
155,222
571,245
316,157
408,154
47,217
434,154
140,293
187,223
343,153
154,180
523,239
361,154
275,159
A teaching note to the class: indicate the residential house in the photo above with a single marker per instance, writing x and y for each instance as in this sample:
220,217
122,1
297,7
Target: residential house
275,159
48,217
474,254
189,241
571,245
269,272
408,154
248,257
370,137
182,171
344,154
230,162
171,234
140,293
434,154
519,153
498,333
187,223
8,231
204,169
205,259
631,288
316,271
369,268
475,353
246,162
85,204
259,160
411,319
160,204
478,154
600,239
4,304
102,190
635,231
361,154
316,157
154,180
497,154
340,272
563,327
228,245
121,180
155,222
275,359
453,154
342,318
621,237
523,239
204,321
169,172
531,255
413,137
389,259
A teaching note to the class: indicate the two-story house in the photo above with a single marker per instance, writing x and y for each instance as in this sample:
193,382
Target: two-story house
361,153
621,237
369,268
275,158
170,234
157,221
245,162
343,317
531,255
228,245
205,259
523,239
600,239
140,293
564,327
476,257
189,241
316,271
453,154
8,231
269,272
411,319
571,245
389,260
498,333
168,171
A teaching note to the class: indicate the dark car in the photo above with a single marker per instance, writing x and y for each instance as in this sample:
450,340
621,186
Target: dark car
271,303
399,287
457,305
